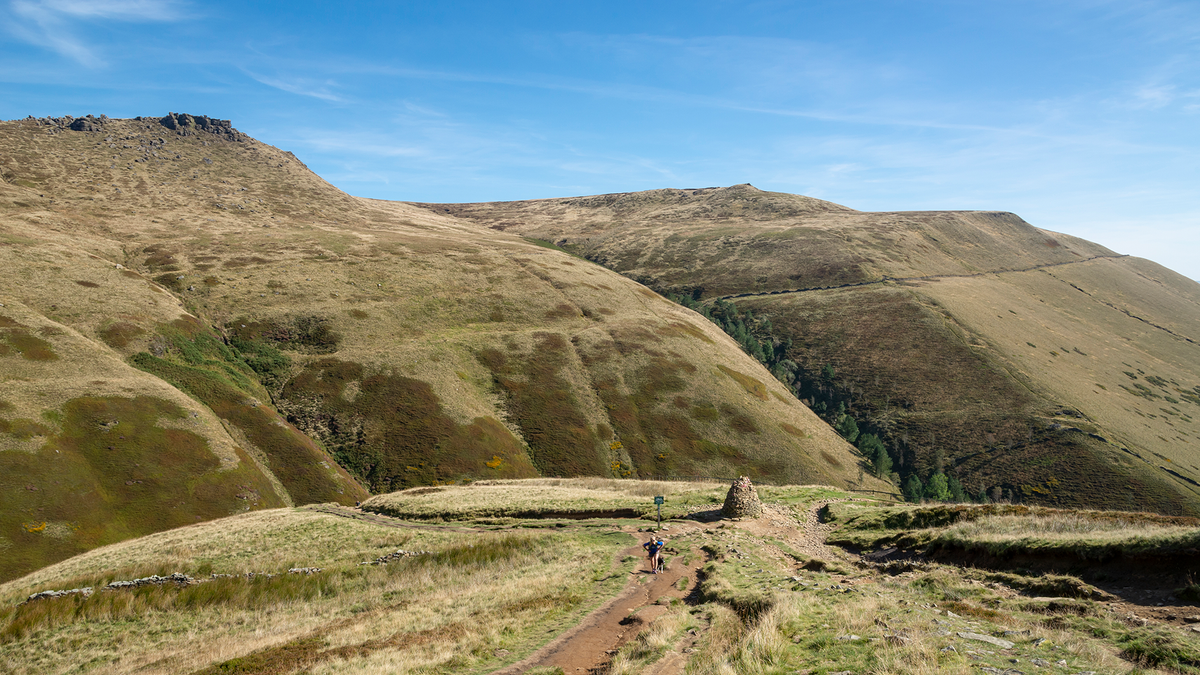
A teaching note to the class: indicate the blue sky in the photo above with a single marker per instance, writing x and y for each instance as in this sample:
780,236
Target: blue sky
1082,116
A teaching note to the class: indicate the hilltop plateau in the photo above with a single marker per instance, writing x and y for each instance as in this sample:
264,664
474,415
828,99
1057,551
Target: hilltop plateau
194,324
1024,364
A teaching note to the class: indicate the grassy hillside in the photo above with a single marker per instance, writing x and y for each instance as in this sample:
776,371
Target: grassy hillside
465,591
1028,365
328,346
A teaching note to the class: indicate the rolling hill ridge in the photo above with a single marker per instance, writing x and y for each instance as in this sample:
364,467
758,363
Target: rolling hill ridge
194,324
1028,364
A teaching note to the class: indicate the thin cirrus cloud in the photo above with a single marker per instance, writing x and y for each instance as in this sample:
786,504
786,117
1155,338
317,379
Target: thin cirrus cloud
299,86
60,25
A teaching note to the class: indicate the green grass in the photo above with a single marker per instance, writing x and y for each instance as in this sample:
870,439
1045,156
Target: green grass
308,474
477,593
112,473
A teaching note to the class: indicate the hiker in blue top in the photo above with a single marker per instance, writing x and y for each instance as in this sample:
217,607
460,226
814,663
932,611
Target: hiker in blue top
653,548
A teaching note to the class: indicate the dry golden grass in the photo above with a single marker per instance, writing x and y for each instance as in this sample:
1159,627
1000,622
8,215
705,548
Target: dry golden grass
651,643
547,497
482,593
487,598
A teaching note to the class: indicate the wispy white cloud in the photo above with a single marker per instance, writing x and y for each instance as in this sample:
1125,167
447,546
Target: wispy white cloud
299,86
54,24
120,10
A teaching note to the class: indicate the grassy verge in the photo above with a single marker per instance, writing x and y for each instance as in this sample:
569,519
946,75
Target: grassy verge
477,601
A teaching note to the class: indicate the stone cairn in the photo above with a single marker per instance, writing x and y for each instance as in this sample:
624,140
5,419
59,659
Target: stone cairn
742,500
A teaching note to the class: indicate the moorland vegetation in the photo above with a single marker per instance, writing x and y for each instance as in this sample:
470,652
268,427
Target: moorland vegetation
963,350
270,341
514,576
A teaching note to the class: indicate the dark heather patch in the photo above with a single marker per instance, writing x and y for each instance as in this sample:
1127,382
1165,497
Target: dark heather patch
24,429
112,473
395,433
309,334
31,347
120,334
308,474
540,401
792,430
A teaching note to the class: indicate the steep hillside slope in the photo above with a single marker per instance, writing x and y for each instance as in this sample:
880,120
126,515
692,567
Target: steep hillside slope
1029,364
211,294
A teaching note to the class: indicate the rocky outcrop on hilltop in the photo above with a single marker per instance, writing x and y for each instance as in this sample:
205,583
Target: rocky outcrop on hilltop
182,124
185,125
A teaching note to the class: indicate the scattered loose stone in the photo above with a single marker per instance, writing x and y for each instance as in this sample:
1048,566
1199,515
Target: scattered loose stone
85,592
153,580
383,560
1003,644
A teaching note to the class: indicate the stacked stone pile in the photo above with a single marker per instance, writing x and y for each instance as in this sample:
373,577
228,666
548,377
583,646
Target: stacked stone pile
742,500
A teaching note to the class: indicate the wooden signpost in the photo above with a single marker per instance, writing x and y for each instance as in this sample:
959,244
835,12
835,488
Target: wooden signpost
658,501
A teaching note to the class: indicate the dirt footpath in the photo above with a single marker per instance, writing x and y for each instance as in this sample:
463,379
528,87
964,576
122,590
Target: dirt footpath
588,647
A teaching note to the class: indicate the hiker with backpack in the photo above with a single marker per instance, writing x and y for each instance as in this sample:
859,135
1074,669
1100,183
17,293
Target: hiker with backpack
654,549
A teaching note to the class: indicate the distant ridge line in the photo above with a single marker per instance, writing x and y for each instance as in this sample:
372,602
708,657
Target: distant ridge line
924,278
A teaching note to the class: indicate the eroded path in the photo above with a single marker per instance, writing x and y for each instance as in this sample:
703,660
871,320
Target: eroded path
589,646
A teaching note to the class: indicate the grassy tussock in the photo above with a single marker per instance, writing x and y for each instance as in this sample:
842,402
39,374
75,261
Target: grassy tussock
256,594
650,644
1090,539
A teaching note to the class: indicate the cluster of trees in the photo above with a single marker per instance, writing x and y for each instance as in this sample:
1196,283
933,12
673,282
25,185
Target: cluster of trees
825,398
940,488
753,334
